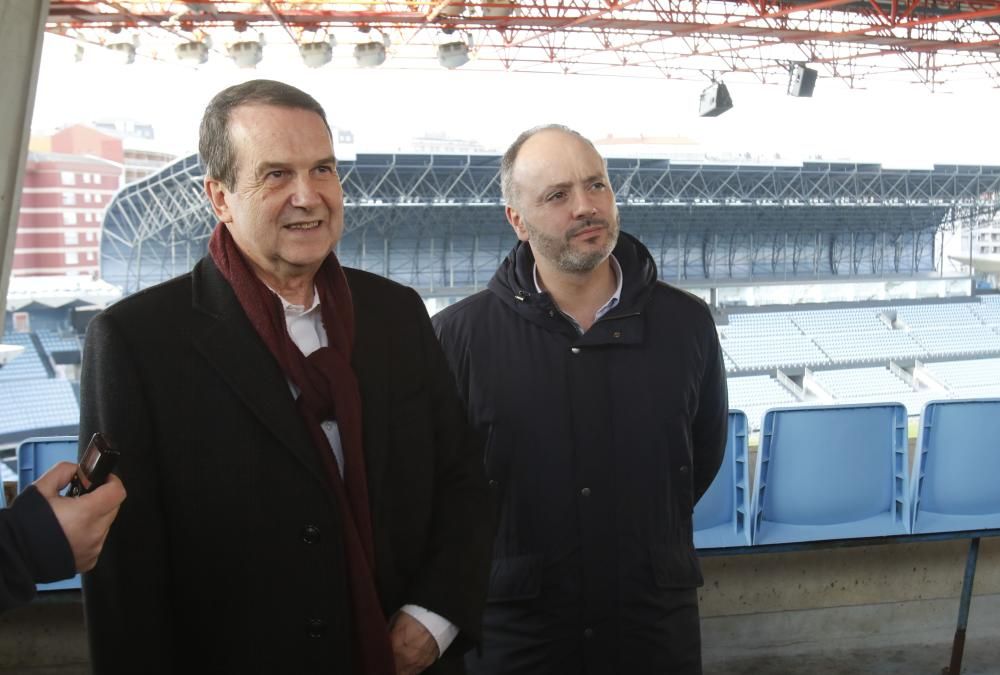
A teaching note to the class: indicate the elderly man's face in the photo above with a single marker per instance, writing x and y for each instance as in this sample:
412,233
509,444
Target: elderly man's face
286,210
563,206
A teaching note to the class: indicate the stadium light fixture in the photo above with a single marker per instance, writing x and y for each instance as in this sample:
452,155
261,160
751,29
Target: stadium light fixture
452,55
124,51
714,100
247,54
193,50
801,80
317,54
369,54
497,8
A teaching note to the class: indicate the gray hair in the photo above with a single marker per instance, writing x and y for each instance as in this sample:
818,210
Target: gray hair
214,144
509,157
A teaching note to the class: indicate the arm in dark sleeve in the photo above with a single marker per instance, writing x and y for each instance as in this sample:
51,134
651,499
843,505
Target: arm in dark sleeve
33,549
127,595
454,575
710,423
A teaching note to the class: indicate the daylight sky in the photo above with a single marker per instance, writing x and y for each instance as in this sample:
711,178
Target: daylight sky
895,124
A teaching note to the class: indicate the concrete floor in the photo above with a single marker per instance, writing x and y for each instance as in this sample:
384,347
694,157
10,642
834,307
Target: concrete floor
903,638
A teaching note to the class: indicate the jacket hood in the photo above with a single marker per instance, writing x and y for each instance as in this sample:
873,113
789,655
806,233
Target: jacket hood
514,281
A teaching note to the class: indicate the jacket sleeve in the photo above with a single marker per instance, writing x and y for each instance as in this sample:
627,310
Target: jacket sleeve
33,549
455,571
711,421
127,595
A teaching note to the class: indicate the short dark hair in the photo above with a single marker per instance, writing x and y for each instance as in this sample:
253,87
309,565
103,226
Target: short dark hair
214,143
509,157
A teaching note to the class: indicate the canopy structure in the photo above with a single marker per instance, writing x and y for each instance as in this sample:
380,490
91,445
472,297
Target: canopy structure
927,41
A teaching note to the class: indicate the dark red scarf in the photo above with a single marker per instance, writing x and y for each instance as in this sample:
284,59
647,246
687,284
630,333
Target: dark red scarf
328,391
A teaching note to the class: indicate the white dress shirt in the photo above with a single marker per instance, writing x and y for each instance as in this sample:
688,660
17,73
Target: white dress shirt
305,327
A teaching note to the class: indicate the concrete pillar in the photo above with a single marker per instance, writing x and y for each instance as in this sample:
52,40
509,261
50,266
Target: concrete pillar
21,27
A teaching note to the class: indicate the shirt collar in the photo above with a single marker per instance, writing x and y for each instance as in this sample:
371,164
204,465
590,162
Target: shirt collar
298,310
607,306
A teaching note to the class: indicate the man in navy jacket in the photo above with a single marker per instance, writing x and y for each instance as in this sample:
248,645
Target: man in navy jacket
601,393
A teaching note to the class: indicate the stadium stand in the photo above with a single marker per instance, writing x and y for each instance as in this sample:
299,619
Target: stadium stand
979,377
29,365
956,466
37,407
753,394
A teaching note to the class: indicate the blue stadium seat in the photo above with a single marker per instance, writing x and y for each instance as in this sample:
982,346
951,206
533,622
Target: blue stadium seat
956,466
831,472
35,456
720,517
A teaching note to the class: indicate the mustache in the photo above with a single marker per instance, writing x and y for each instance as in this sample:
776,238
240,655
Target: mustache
586,224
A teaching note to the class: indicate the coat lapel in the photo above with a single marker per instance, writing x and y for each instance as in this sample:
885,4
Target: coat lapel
228,340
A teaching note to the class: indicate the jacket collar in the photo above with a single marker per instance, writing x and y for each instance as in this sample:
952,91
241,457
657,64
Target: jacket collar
229,343
514,285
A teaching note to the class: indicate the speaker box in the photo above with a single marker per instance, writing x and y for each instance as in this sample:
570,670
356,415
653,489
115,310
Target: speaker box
715,100
801,80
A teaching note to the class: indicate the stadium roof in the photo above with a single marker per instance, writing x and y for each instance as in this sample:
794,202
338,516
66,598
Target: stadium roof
928,41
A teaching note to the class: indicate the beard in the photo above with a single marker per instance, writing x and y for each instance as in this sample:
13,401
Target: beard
562,251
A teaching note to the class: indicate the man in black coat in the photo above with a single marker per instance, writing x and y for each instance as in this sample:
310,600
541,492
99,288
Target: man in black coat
305,495
601,391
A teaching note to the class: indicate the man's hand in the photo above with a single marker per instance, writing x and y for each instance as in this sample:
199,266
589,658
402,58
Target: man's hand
85,520
413,646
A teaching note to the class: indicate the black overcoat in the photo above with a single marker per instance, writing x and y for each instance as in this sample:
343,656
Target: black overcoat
598,447
227,555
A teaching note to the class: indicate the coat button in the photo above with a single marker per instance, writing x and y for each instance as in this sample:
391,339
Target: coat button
316,628
585,492
588,633
683,469
617,334
494,484
310,534
575,350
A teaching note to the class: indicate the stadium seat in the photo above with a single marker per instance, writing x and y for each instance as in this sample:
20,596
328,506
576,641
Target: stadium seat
35,456
720,517
956,467
831,472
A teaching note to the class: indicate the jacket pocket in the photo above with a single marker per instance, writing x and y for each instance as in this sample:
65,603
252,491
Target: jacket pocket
675,566
515,578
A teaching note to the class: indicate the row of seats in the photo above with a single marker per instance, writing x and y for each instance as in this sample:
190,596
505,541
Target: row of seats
842,472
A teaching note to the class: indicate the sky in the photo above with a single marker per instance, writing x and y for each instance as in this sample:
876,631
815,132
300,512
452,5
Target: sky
896,124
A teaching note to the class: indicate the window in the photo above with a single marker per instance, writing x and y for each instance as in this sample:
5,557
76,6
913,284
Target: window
68,177
90,255
90,236
89,217
72,258
97,178
86,177
87,197
69,217
69,198
71,237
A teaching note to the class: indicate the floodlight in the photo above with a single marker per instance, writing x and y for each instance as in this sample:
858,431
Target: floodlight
196,52
715,100
801,80
316,54
246,54
369,54
125,51
497,8
451,55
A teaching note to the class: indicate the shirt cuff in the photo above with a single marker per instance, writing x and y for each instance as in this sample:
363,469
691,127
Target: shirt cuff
440,628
